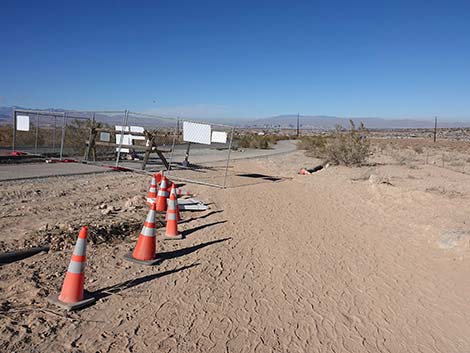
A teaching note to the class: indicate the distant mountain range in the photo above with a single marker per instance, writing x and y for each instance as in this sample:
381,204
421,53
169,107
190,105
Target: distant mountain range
321,122
329,122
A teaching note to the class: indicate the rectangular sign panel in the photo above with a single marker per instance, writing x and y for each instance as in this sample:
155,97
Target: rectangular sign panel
197,133
126,140
219,136
105,136
22,123
130,128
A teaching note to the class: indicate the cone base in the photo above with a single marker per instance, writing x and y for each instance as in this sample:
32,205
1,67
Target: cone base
87,301
179,236
128,257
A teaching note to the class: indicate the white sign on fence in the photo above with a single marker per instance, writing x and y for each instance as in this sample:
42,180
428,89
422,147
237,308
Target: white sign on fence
127,139
197,133
130,128
105,136
22,123
219,136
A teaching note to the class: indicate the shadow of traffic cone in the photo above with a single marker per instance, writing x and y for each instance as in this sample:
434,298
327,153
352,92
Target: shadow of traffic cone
72,295
152,193
162,195
172,217
144,252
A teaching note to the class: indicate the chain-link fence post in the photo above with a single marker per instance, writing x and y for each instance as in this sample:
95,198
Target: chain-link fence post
14,132
175,137
53,135
37,133
63,136
228,157
121,139
90,136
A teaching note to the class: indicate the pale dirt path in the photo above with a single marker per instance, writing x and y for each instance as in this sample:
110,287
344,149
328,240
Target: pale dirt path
313,264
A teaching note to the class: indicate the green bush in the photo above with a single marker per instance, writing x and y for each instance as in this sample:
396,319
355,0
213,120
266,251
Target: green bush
348,147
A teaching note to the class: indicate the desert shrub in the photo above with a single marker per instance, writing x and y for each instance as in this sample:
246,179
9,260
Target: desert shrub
257,141
350,148
77,132
418,149
314,145
6,136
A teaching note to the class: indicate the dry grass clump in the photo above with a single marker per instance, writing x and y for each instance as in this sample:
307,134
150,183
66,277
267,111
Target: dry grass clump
349,148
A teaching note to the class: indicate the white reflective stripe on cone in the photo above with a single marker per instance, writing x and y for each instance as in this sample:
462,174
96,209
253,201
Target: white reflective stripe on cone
150,217
76,267
148,232
80,247
171,216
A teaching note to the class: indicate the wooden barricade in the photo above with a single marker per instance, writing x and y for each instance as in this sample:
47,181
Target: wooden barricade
147,145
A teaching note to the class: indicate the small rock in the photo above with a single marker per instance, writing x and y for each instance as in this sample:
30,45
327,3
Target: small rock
44,227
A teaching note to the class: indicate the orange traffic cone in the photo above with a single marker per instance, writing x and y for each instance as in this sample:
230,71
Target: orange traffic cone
144,252
158,176
172,217
72,295
152,193
162,195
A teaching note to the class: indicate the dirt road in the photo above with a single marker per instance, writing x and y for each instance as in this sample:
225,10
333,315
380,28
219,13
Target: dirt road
332,262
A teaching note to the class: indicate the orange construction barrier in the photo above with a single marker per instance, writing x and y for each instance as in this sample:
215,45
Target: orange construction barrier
144,252
72,295
172,217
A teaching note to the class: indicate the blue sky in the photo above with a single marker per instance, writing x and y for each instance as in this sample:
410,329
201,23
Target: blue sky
221,59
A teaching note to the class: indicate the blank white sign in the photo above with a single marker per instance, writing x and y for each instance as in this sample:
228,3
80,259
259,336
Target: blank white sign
198,133
105,136
22,123
126,139
130,128
219,136
137,129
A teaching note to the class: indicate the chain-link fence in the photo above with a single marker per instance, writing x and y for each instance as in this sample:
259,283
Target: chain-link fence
188,150
49,134
208,160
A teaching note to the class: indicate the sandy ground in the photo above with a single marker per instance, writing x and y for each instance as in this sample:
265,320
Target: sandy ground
372,259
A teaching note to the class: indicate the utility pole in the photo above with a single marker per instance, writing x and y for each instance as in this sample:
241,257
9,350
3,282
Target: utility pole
435,128
298,124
